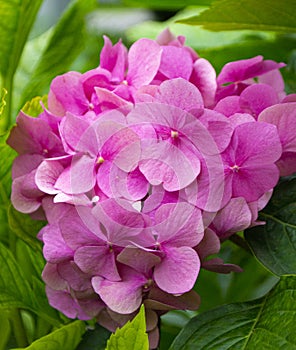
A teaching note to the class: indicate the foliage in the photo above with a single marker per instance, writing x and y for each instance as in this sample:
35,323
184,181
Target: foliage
28,66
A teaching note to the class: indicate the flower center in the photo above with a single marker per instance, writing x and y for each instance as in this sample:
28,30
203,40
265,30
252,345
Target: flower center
235,168
174,134
100,160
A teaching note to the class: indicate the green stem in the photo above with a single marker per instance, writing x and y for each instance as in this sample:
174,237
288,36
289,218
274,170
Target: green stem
18,328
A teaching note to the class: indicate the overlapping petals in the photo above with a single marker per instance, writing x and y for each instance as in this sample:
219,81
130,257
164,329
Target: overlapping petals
142,167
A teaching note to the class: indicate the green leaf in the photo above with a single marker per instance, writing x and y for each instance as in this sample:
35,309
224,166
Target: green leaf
270,15
5,330
94,339
64,44
34,107
24,227
6,159
131,336
166,4
16,292
265,323
218,289
274,244
17,18
66,338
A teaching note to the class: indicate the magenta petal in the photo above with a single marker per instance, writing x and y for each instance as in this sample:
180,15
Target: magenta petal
209,245
204,77
176,62
97,261
77,135
283,116
25,163
82,167
55,248
228,106
239,70
144,60
114,59
164,163
179,264
124,296
116,183
52,278
138,259
235,216
64,302
180,93
76,234
252,182
66,94
109,100
179,223
25,196
255,98
47,175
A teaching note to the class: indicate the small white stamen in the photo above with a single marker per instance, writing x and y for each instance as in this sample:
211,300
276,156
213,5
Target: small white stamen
137,205
174,134
95,199
235,168
100,160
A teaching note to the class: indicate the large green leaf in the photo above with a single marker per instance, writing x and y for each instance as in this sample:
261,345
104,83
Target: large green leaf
16,292
274,244
271,15
94,339
6,159
17,18
165,4
66,338
64,43
131,336
265,323
24,227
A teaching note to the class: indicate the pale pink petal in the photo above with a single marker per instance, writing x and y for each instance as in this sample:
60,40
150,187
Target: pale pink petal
255,98
235,216
179,224
164,163
47,174
180,93
179,264
228,106
64,302
176,62
204,78
25,195
109,100
124,296
55,248
138,259
97,261
66,94
144,59
114,59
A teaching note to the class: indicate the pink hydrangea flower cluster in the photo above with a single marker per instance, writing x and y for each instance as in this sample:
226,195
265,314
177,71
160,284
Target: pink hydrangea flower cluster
141,167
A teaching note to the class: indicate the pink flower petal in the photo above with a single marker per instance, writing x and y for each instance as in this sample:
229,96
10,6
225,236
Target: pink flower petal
124,296
97,261
204,78
180,264
176,62
144,60
255,98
